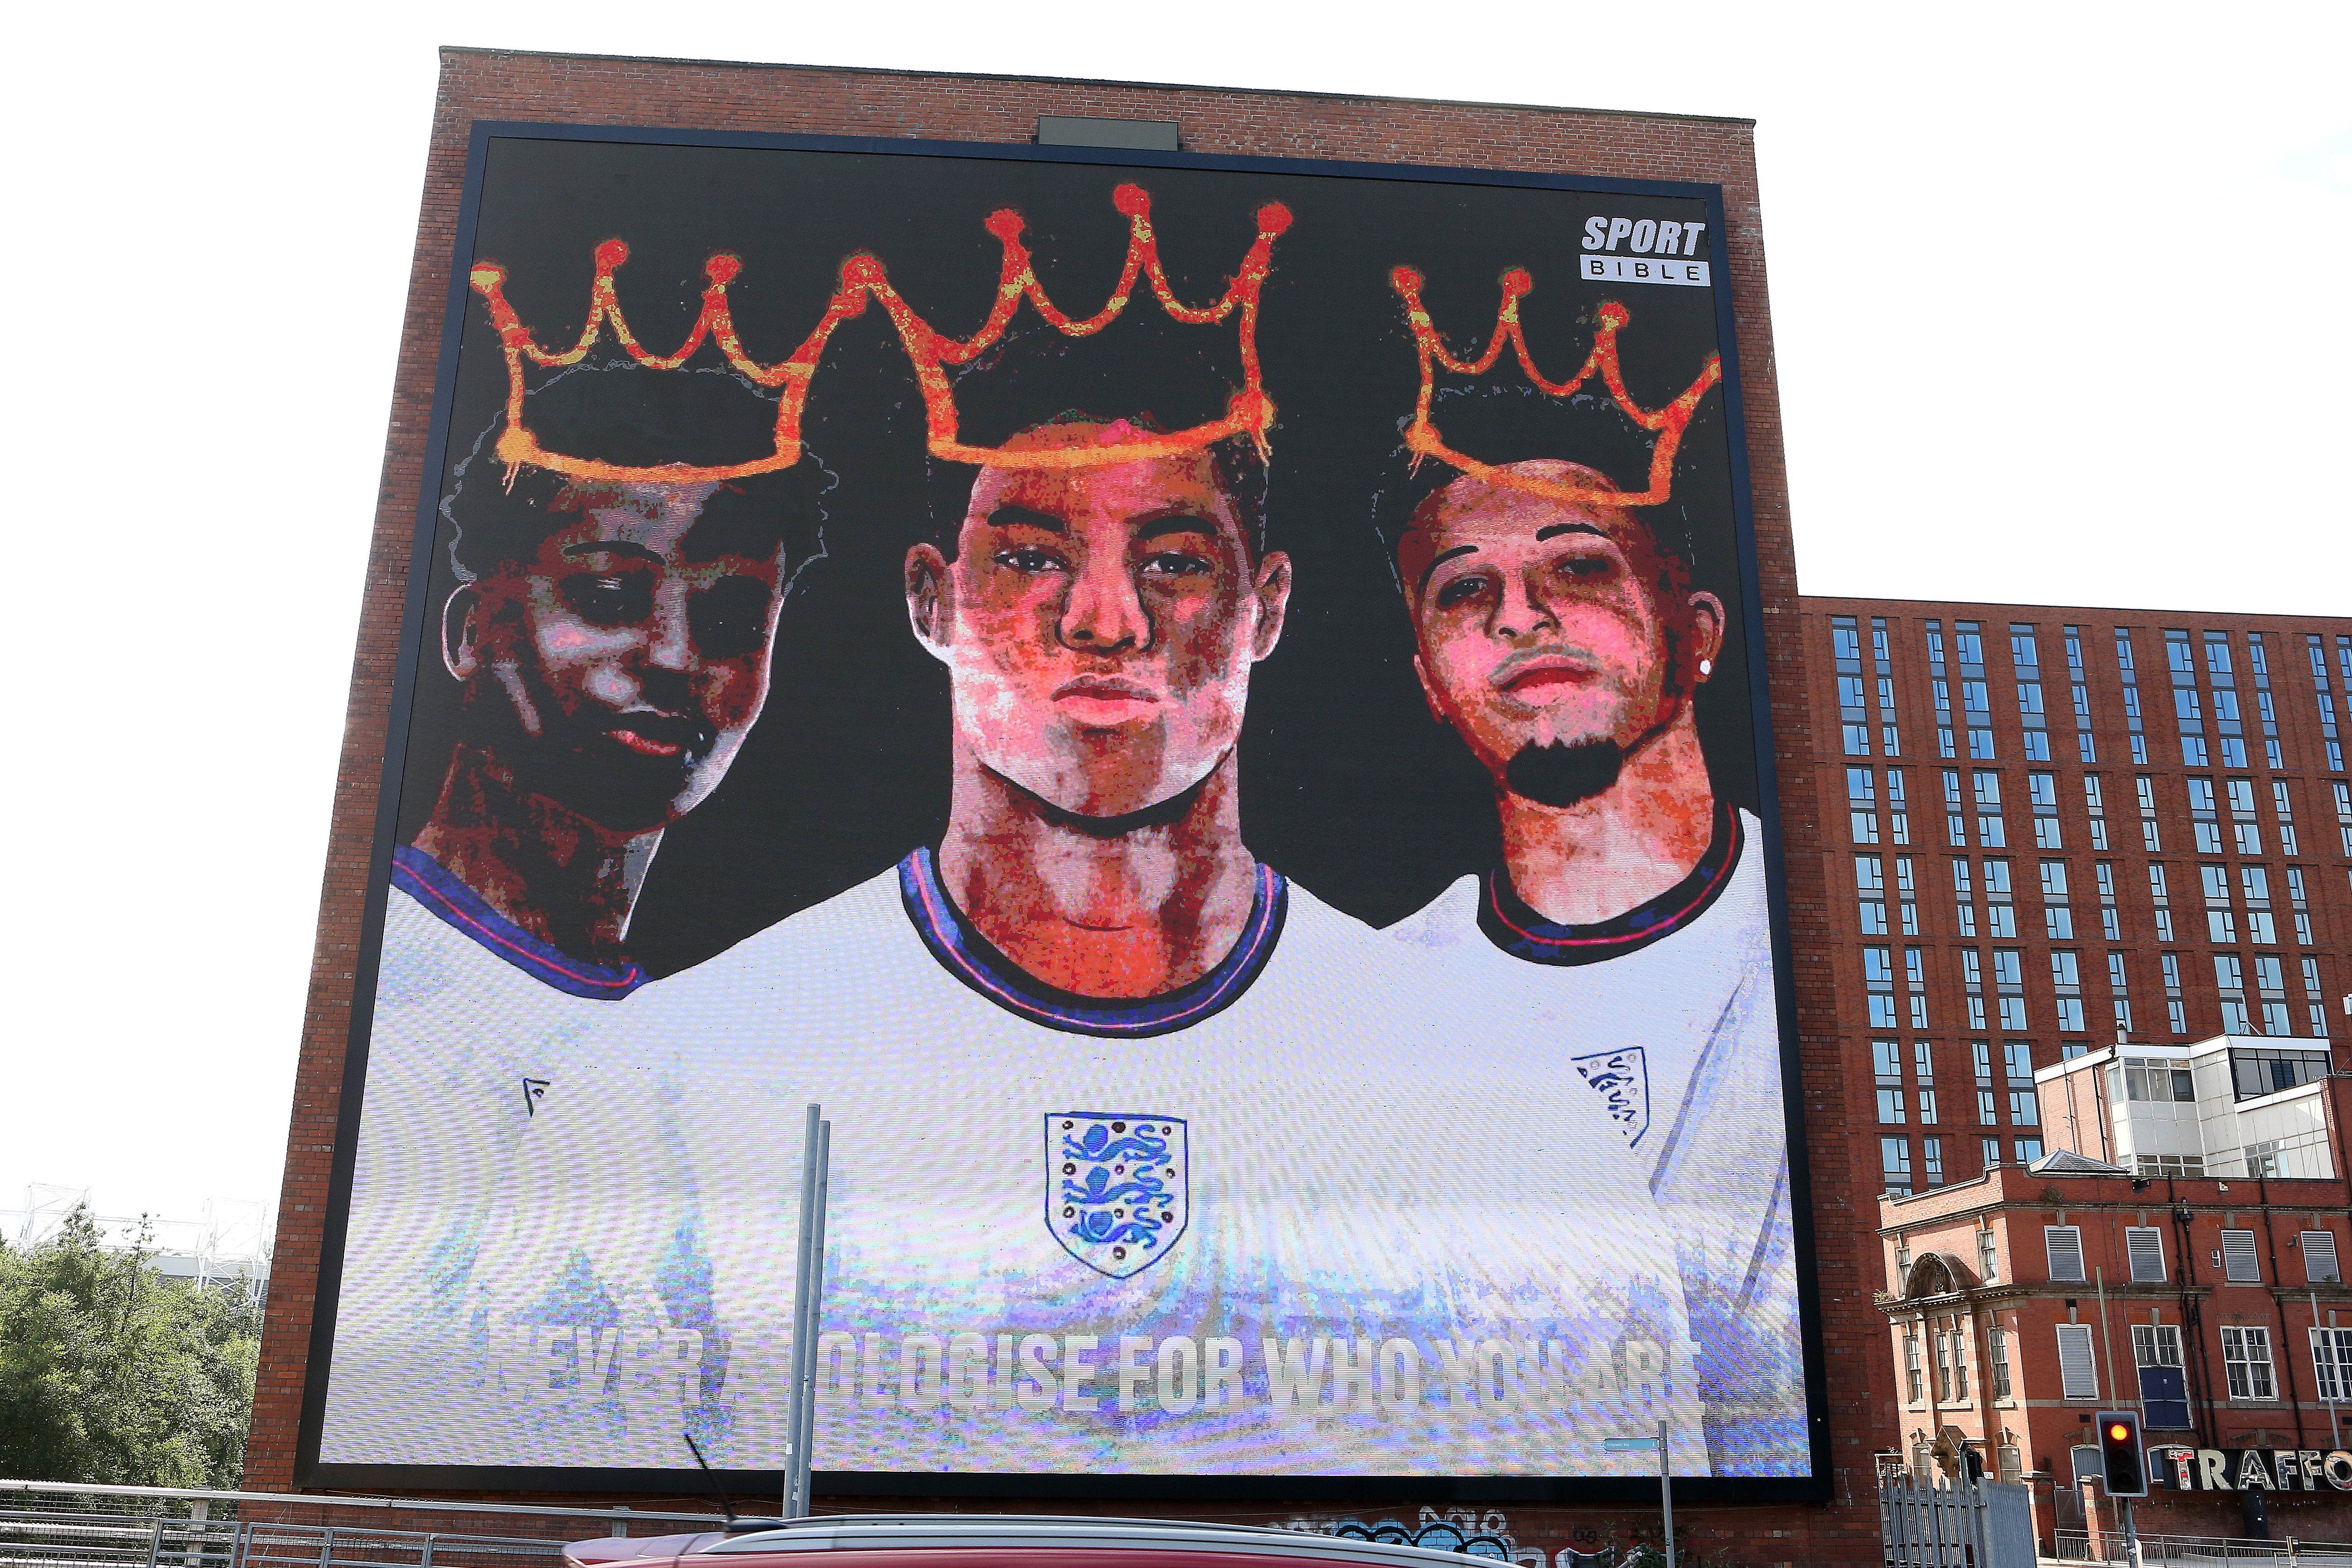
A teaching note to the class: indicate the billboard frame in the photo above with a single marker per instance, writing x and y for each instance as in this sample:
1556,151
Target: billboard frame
310,1472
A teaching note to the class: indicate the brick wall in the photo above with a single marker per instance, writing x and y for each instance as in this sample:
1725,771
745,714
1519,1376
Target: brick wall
492,85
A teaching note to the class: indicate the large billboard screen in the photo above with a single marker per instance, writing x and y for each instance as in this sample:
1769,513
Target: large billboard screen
1208,710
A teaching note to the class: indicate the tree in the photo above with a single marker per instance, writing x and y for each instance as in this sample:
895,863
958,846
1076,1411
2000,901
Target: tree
111,1373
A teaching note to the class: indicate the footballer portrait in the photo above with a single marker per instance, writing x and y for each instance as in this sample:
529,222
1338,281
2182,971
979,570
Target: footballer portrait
1276,920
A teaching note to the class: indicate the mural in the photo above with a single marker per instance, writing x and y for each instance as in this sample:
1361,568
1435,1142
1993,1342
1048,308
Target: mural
1207,714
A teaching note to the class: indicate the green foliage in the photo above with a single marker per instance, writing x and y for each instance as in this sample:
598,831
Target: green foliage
111,1373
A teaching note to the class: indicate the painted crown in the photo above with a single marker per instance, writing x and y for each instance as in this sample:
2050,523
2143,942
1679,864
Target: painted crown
1248,412
1424,440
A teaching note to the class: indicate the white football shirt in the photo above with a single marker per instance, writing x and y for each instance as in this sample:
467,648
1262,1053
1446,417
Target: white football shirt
472,1308
1668,1015
1317,1212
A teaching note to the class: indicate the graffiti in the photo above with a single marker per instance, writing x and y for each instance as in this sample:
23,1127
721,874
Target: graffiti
1465,1531
1489,1535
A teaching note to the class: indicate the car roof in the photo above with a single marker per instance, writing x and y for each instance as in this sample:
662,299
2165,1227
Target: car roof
949,1531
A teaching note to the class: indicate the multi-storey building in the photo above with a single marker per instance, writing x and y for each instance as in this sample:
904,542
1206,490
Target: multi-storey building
2099,939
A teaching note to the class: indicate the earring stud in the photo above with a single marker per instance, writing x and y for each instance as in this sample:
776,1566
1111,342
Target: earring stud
1706,667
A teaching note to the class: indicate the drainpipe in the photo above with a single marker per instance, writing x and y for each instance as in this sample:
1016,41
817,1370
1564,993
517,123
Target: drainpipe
2287,1332
2192,1318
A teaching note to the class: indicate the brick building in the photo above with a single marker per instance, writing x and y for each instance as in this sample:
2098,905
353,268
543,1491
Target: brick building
1868,762
2093,876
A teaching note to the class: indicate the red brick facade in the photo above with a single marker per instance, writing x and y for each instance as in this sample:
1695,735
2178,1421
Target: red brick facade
483,85
1936,1060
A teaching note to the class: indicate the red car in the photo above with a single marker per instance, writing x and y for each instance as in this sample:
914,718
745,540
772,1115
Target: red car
997,1540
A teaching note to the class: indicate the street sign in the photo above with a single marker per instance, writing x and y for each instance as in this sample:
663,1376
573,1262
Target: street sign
1629,1445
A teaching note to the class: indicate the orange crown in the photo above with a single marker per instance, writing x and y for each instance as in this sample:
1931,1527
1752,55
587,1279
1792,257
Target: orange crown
1249,411
1422,438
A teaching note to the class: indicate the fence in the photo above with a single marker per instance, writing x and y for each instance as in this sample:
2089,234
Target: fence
1970,1525
52,1525
2203,1551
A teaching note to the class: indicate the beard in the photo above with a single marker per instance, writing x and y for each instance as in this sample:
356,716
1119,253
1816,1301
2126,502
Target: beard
1564,772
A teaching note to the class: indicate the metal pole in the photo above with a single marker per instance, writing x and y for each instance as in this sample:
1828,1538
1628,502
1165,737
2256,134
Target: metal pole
803,1281
804,1412
2107,1345
1666,1492
805,1441
2131,1531
2334,1424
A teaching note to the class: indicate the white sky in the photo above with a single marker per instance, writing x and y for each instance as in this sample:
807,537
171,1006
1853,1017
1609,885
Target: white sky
2060,293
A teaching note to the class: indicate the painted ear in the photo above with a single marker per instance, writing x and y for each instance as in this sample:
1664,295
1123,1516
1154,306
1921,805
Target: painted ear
1706,634
1272,591
461,632
1429,691
926,584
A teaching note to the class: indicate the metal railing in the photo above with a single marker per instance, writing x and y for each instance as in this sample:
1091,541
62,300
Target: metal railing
55,1525
2202,1550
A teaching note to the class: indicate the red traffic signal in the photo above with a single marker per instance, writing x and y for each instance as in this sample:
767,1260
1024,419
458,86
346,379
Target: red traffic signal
2124,1462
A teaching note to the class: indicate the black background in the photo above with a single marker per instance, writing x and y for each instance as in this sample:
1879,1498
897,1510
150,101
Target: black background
1347,784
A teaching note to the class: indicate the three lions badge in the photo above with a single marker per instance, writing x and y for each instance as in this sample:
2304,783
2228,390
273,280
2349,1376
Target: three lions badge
1116,1196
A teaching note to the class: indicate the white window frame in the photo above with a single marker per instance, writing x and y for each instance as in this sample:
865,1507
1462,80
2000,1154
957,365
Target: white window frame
2331,1364
2078,1368
2144,1247
2241,1264
2246,1357
2054,1247
2320,1244
2155,1345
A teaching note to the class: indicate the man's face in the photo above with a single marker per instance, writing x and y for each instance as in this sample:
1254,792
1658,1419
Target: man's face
1098,625
622,668
1547,624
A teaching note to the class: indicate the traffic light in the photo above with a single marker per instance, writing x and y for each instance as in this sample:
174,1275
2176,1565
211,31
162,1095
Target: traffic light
2120,1454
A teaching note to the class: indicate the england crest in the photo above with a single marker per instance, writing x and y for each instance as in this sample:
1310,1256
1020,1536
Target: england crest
1621,1078
1114,1187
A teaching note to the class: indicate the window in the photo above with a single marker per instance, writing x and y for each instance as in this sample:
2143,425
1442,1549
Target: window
2144,1245
1988,1242
2155,1345
2065,1245
1870,884
2319,1265
1956,1356
1924,1061
2331,1360
1997,1347
2240,1263
1894,1164
2246,1353
1887,1061
2078,1374
1914,1377
1932,1151
2028,1150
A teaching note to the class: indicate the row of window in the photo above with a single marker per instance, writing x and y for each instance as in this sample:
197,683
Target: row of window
1894,1158
2143,1249
2250,894
2246,1361
2231,728
1973,815
1994,993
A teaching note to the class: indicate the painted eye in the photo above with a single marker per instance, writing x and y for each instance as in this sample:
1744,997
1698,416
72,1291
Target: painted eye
1028,558
608,601
1460,591
1176,563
